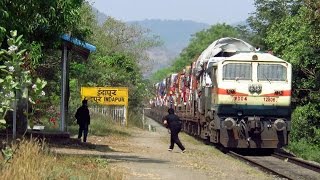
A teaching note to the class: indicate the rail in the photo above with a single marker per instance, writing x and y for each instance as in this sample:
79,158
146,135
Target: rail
299,162
257,164
282,165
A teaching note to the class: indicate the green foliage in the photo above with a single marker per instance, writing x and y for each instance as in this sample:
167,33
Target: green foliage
269,13
42,21
7,153
121,51
296,39
121,48
118,67
291,28
16,80
102,162
306,123
305,150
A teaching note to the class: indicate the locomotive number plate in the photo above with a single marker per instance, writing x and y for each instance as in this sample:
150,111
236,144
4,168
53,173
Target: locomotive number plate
240,98
270,99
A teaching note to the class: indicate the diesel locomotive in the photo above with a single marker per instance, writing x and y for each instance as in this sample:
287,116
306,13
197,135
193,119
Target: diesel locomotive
233,94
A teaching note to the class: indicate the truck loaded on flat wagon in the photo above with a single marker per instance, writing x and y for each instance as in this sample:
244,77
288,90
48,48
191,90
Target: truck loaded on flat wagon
234,95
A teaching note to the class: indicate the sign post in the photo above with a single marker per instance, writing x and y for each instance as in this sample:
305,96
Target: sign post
117,96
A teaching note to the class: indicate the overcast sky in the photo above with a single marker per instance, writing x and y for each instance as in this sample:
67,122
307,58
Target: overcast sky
206,11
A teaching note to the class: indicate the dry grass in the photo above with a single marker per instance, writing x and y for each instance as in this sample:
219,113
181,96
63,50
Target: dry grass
32,160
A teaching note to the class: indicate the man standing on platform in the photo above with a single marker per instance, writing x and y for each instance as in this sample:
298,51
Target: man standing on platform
83,120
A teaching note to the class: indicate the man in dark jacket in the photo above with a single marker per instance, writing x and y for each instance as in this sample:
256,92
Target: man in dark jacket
174,123
83,119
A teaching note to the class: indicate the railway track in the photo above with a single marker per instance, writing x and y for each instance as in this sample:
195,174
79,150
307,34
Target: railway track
282,165
306,164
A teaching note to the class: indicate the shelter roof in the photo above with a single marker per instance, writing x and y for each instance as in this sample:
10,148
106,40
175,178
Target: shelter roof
81,47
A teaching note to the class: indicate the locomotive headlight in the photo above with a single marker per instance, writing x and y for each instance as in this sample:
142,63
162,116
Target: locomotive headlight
229,123
279,124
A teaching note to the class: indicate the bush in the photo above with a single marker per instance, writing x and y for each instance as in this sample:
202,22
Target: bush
305,150
306,124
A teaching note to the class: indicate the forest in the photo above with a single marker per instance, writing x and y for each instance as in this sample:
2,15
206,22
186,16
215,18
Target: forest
30,58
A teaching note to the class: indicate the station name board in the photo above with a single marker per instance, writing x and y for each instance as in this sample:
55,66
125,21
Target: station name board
106,95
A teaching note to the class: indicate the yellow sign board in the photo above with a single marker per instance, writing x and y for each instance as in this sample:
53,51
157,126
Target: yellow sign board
106,95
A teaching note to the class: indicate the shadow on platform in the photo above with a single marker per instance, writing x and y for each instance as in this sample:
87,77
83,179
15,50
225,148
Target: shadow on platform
63,140
118,157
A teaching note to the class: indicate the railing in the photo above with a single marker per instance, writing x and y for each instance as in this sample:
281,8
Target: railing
117,113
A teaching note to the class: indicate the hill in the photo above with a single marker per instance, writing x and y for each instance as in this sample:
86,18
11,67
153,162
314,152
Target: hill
175,35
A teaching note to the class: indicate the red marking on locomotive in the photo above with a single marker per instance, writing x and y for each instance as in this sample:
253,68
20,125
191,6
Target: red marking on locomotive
284,93
225,92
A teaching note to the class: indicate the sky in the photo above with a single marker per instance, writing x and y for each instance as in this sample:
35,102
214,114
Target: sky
205,11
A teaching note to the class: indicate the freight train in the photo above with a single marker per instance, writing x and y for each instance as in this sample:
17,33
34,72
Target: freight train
233,95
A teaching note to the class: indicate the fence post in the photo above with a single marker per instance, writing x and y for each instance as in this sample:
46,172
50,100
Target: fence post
143,119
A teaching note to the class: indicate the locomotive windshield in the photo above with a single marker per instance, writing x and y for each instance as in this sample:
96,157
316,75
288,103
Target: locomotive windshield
272,72
237,71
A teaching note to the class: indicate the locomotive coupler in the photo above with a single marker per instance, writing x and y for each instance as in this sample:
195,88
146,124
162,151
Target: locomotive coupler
254,124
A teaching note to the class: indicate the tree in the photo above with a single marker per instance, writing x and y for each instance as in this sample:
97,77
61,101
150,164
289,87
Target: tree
296,39
120,56
42,21
116,36
269,13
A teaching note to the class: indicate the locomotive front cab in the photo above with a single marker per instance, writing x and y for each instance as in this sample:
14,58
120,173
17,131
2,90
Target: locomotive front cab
252,101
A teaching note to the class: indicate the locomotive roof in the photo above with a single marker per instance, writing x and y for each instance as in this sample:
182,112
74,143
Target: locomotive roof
261,56
227,44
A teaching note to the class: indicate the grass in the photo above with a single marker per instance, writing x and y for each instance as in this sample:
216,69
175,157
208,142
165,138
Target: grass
32,160
102,125
305,150
135,119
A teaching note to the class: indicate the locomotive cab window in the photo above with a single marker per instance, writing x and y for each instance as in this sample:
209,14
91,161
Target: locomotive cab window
237,71
272,72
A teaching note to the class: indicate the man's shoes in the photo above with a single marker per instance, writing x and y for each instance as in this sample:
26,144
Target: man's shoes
183,151
170,149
